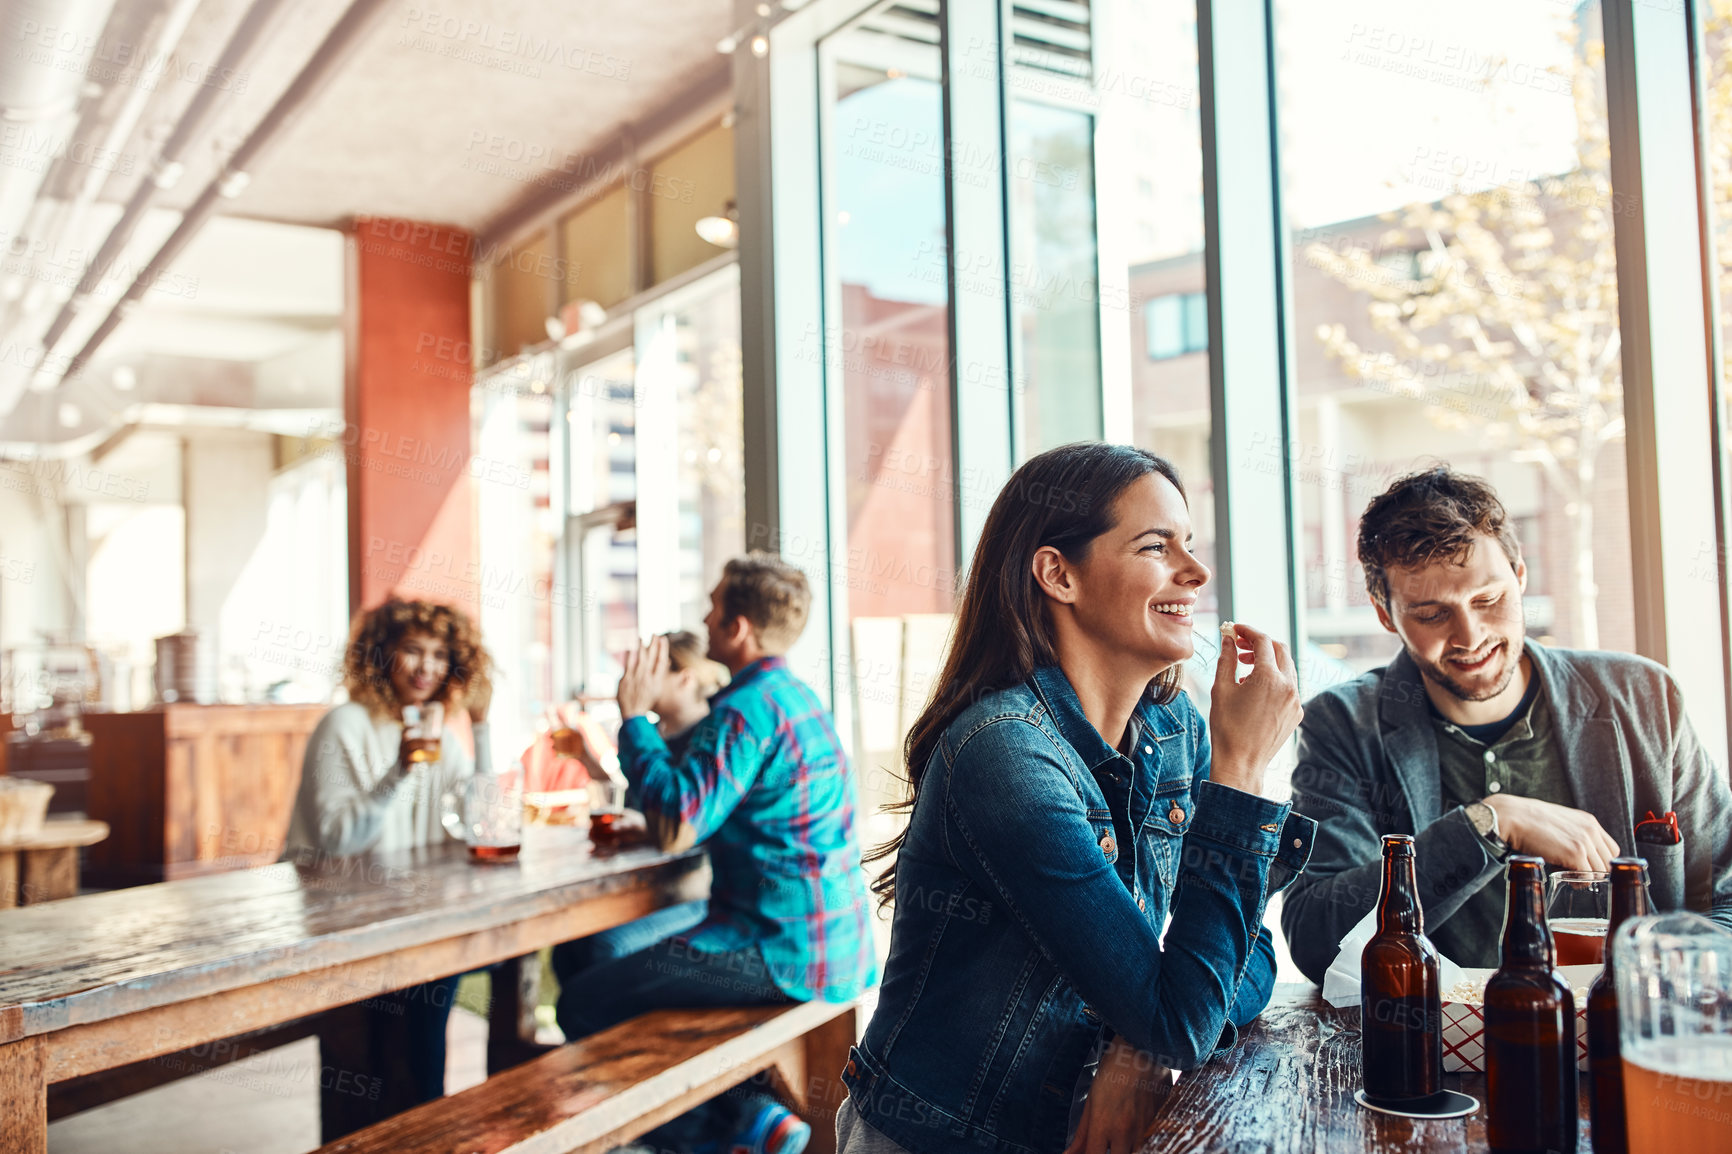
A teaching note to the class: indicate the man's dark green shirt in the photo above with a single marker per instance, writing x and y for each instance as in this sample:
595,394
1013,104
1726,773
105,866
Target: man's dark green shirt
1525,761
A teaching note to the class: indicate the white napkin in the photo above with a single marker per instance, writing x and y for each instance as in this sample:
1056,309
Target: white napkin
1341,983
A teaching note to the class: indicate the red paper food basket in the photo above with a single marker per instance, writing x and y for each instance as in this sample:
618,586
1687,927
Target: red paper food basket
1464,1025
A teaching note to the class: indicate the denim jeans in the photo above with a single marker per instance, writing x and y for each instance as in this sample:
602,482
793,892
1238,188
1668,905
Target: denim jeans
610,945
669,974
394,1059
855,1135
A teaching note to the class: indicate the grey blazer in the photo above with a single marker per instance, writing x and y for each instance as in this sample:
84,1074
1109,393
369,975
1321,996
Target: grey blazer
1368,765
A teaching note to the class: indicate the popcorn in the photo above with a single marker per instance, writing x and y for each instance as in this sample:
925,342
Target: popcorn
1464,1018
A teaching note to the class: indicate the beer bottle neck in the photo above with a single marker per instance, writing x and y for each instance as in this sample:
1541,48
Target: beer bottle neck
1526,939
1629,900
1398,909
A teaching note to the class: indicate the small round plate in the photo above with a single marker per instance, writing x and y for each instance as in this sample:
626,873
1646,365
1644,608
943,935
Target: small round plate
1443,1104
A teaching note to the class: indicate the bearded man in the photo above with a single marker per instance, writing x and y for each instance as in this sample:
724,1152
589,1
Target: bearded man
1481,743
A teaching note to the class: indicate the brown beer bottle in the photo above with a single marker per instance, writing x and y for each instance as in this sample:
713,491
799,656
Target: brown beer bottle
1605,1067
1400,1003
1530,1030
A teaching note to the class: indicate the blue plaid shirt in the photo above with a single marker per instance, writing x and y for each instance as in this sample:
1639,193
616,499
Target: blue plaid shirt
766,786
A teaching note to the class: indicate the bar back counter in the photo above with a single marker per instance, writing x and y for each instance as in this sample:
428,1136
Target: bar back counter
193,789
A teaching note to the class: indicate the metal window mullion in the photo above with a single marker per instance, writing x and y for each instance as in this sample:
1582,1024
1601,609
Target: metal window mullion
977,264
1250,320
790,486
1700,66
1663,316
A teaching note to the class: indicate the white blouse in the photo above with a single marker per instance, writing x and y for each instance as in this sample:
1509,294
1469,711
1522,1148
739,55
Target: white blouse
352,799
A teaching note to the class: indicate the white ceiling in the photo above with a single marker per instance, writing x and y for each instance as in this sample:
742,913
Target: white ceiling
438,116
433,87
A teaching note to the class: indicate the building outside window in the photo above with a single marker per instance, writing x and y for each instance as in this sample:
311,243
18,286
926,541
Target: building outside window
1175,325
1454,289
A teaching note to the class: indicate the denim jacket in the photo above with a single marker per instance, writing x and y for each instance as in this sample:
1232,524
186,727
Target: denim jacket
1039,870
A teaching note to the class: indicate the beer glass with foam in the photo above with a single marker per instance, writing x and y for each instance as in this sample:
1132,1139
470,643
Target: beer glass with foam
1674,976
1578,904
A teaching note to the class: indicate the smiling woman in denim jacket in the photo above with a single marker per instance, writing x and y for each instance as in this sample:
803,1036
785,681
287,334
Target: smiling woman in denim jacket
1066,797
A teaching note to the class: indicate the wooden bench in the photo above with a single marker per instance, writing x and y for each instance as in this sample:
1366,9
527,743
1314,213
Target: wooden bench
590,1096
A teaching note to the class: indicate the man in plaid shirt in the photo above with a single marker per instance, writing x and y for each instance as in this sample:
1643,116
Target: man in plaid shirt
765,785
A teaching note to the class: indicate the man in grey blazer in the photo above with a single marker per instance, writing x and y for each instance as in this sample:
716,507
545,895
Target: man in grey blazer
1482,743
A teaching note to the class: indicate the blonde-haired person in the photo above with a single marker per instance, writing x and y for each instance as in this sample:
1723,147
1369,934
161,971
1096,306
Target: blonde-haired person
681,701
360,792
763,783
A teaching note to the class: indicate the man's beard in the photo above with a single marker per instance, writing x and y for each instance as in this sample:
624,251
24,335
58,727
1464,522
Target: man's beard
1437,671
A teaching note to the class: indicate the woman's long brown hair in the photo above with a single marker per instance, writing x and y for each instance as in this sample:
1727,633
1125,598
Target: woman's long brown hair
1063,498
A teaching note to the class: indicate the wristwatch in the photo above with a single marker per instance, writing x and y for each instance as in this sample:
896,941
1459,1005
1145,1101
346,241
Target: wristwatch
1484,819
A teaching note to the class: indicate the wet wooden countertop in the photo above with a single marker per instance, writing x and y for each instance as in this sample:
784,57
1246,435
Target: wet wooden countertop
102,956
1287,1088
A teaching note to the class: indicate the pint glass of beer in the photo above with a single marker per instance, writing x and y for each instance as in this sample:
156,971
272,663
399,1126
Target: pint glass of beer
1674,977
1578,903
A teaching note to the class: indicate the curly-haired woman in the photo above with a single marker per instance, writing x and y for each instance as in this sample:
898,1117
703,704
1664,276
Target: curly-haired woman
359,790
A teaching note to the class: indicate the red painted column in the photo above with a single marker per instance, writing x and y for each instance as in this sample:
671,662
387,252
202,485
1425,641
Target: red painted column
411,513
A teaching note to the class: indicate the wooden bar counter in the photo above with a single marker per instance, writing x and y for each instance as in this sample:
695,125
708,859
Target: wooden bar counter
193,789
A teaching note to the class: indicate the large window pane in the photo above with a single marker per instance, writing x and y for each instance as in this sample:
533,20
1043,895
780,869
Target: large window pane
1053,287
1717,114
600,537
690,461
602,411
712,466
887,315
887,205
1151,168
604,555
1455,292
515,591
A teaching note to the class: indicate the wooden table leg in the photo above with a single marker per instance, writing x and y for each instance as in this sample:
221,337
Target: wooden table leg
23,1098
514,989
826,1054
49,875
9,879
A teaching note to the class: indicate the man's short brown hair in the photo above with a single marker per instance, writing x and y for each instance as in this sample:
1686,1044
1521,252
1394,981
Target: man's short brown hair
771,594
1427,517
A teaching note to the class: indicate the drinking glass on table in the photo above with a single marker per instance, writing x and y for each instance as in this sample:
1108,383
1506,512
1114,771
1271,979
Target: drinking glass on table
485,811
578,736
1675,1033
1578,906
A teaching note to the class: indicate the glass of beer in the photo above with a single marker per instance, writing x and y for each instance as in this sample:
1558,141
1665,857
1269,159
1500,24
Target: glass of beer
423,726
1674,976
485,811
1578,904
606,807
